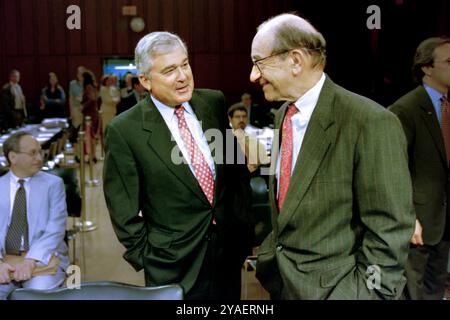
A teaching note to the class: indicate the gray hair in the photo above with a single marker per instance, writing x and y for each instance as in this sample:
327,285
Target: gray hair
13,143
155,43
292,32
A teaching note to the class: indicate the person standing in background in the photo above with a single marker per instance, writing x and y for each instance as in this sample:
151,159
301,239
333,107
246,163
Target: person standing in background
13,101
110,97
75,98
425,115
53,98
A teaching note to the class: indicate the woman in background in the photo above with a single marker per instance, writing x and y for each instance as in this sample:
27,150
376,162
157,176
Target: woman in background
53,98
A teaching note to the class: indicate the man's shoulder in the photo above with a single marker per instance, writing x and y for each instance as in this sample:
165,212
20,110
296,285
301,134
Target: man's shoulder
410,100
47,177
208,93
356,102
131,115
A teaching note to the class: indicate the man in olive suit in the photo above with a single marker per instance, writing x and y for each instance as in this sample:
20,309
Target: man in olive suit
341,194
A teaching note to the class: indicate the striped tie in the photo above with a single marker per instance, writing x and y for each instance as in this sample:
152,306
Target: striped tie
286,155
201,168
17,236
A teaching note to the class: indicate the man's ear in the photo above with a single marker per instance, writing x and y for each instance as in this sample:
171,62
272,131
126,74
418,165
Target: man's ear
145,82
297,58
427,70
12,156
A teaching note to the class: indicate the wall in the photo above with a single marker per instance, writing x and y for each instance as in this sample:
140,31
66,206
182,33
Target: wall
35,39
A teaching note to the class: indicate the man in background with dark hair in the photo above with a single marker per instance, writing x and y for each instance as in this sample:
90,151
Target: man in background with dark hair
425,116
137,94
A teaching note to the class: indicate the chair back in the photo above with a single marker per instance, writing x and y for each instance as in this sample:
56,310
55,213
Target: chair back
101,290
260,209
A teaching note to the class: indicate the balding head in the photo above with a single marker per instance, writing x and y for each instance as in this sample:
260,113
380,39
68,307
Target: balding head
288,31
288,56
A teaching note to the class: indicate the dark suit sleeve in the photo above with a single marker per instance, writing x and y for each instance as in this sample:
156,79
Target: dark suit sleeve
407,124
121,189
383,194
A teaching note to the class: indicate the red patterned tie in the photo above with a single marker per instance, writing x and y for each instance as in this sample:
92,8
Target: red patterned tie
445,125
286,154
201,168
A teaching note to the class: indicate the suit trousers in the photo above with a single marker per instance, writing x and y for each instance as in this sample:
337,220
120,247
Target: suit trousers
208,285
426,271
45,282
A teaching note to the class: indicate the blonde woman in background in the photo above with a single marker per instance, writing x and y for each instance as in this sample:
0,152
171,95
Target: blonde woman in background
110,96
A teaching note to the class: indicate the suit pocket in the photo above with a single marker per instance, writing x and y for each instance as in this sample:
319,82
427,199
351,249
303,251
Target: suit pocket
160,239
331,276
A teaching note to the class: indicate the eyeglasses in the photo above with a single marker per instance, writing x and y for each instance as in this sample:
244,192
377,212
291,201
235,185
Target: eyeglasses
33,153
257,62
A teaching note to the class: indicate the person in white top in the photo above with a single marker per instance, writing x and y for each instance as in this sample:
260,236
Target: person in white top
110,96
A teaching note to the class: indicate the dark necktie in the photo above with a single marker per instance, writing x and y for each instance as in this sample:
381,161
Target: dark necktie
445,125
201,168
286,154
18,228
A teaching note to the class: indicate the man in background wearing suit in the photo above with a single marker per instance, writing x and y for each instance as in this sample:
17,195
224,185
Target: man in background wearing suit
170,215
33,218
425,116
137,94
341,194
13,101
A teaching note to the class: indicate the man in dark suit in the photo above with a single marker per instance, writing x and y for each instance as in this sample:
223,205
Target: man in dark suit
137,94
13,101
341,194
425,122
165,192
258,115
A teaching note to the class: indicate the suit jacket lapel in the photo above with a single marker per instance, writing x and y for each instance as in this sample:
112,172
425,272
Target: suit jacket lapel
203,111
162,143
428,114
34,203
5,207
315,144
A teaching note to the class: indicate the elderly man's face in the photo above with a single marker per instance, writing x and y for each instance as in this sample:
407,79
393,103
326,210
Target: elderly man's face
26,161
272,72
171,81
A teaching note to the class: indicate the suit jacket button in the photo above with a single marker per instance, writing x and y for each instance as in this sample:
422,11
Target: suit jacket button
279,247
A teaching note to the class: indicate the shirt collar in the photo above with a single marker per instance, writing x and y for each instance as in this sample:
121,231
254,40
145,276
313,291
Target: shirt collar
169,112
434,94
307,102
15,179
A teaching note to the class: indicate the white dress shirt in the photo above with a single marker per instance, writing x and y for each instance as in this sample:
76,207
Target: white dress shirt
300,120
171,120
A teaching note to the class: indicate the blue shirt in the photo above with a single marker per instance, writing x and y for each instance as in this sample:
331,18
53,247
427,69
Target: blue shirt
435,97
